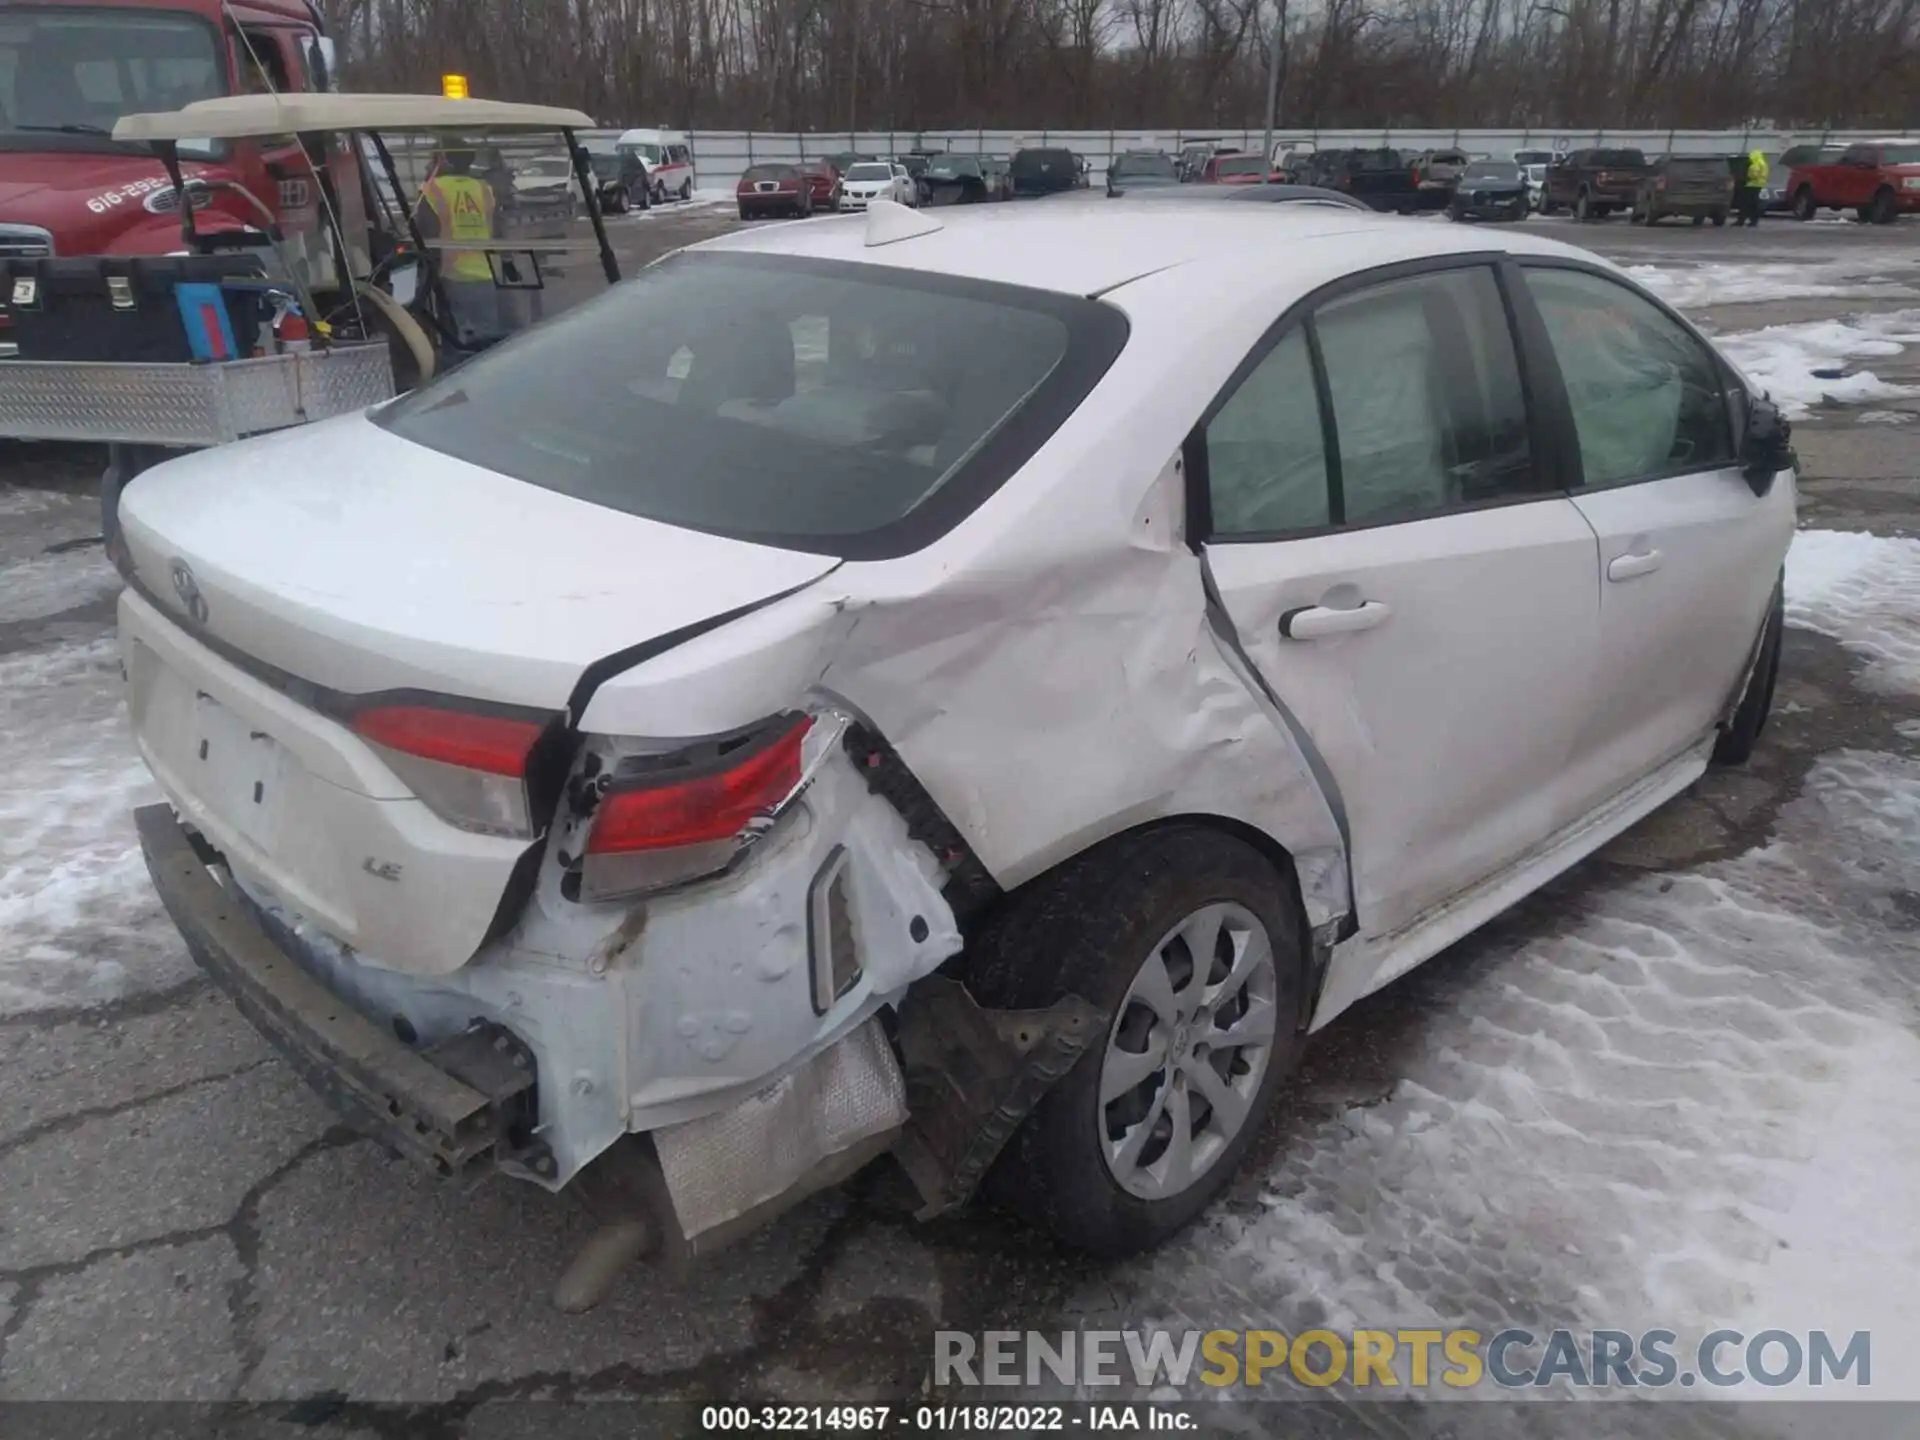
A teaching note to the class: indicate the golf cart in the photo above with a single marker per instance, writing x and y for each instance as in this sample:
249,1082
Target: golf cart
328,297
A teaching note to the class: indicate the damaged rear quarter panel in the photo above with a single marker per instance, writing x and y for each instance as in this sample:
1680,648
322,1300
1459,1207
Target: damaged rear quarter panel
1047,669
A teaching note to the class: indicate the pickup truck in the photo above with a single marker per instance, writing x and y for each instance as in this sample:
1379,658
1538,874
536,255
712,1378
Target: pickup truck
1383,179
1879,180
1594,183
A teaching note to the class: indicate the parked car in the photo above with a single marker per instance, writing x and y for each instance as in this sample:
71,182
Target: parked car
1879,180
1238,169
1137,170
1044,171
1384,178
999,176
1290,157
725,827
1527,158
823,183
1195,154
1489,190
956,180
1536,173
773,190
1594,183
1439,169
668,160
915,163
868,180
1694,187
1776,196
620,178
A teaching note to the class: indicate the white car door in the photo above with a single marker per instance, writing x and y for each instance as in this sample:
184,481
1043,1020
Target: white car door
1407,574
1689,554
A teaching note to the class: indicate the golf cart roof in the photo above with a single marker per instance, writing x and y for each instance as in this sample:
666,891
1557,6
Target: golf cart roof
241,117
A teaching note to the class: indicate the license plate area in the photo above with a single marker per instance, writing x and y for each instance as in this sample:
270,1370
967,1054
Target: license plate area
240,771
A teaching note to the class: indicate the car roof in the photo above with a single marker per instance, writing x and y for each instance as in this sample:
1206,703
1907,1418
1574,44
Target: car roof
1087,249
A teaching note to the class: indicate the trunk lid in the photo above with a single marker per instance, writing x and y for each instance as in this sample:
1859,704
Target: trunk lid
359,561
343,557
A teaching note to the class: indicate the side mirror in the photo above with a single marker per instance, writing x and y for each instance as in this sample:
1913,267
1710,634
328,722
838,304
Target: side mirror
323,62
1767,447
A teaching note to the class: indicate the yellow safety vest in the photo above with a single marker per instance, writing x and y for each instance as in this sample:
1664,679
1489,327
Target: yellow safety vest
1756,170
464,208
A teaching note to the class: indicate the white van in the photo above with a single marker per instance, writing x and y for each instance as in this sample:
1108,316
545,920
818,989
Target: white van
669,162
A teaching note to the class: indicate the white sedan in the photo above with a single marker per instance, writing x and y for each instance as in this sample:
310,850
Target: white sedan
870,180
982,691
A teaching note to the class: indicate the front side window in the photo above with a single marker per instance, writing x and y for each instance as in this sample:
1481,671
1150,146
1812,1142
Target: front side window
806,404
1428,409
1646,395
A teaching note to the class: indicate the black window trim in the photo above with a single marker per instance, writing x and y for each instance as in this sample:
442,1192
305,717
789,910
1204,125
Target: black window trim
1097,333
1546,363
1547,437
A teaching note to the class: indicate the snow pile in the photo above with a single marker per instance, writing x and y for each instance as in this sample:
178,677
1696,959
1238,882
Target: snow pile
1864,591
1702,285
1781,359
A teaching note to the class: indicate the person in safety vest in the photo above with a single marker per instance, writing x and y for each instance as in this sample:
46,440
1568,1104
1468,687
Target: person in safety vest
456,205
1753,186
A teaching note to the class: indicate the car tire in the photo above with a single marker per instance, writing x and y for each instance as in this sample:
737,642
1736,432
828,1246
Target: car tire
1698,221
1740,734
1097,927
1804,206
1719,218
686,189
1884,209
744,215
1582,208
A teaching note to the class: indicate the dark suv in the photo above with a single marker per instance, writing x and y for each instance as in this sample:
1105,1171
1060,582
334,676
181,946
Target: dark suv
1695,187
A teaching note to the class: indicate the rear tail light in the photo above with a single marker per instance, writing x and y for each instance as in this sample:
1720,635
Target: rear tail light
470,769
672,818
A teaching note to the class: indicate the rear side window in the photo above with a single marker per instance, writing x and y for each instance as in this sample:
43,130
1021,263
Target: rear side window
1646,395
846,409
1266,456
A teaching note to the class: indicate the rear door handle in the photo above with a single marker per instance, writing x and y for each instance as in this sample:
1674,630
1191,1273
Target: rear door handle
1627,567
1317,622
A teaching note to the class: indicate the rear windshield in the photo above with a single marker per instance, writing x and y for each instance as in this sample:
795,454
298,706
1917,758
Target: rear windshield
869,172
845,409
1378,160
1618,157
770,172
948,167
1712,165
1144,165
1239,165
1491,170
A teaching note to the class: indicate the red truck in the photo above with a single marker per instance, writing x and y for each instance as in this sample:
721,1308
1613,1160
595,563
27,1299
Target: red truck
70,68
1879,180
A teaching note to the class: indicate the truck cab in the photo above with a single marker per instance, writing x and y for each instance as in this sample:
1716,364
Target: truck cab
70,68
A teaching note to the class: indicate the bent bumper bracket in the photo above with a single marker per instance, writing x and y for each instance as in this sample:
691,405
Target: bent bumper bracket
451,1119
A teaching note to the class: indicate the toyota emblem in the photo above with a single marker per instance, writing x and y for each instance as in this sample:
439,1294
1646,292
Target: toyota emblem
188,589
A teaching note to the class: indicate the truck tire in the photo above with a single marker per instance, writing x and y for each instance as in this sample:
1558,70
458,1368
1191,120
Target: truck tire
1122,1152
1719,218
1884,209
1582,208
1805,207
1698,221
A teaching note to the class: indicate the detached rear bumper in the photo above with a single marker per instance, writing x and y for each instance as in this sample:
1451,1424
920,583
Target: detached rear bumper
413,1101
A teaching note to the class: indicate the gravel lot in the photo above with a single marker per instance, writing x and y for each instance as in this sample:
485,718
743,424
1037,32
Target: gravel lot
1680,1087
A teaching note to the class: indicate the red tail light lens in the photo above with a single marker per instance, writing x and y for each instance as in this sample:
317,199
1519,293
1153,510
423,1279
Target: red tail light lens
469,769
663,831
698,812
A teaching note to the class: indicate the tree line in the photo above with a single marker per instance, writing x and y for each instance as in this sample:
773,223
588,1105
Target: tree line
908,65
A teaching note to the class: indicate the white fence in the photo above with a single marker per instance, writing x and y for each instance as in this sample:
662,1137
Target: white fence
721,155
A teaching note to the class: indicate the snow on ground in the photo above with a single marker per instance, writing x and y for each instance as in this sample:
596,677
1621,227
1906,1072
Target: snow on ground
1696,286
1864,591
49,584
79,924
1782,359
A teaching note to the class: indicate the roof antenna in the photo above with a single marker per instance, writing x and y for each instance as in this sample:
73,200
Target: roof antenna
888,222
